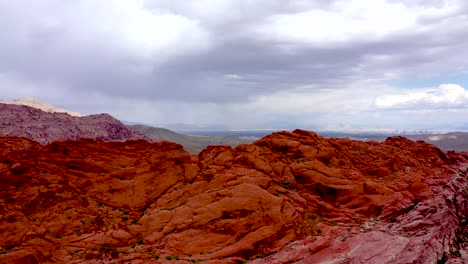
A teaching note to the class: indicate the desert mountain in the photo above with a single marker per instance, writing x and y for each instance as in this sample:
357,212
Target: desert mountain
287,198
40,105
457,141
194,144
45,127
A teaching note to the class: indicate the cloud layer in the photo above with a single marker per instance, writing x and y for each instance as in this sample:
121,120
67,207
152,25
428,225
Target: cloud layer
237,63
447,96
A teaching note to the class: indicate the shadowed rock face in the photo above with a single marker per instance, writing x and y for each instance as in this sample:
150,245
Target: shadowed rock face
287,198
44,127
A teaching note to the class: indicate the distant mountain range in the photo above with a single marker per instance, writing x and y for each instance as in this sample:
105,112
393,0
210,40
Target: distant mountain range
45,123
457,141
45,127
193,144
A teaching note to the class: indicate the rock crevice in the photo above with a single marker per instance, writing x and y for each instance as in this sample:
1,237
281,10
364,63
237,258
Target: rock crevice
289,197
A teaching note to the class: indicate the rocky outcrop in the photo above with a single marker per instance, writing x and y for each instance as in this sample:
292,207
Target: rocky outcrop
45,127
288,198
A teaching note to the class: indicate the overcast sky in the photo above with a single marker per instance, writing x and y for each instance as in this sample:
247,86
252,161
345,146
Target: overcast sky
243,64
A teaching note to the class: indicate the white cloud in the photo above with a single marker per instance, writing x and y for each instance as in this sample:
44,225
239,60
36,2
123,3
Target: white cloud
310,102
126,29
232,77
445,96
348,20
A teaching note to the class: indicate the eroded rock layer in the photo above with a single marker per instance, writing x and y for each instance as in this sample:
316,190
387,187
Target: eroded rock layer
288,198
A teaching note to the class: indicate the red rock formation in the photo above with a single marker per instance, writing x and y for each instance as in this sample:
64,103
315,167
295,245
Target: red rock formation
45,127
289,197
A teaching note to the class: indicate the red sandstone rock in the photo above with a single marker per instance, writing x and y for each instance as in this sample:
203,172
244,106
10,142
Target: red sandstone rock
289,197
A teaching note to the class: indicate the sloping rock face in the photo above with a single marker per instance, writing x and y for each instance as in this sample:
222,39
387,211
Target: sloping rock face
40,105
288,198
44,127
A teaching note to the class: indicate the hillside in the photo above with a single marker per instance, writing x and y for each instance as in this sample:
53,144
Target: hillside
287,198
45,127
40,105
193,144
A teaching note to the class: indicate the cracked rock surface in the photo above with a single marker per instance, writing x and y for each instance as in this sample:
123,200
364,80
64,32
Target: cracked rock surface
290,197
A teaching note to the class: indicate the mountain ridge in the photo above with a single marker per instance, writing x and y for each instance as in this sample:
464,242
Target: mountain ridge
45,127
40,105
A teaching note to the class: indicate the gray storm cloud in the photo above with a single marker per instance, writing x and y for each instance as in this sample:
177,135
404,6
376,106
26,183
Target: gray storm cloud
177,54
